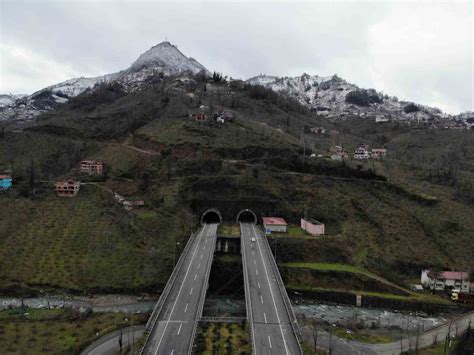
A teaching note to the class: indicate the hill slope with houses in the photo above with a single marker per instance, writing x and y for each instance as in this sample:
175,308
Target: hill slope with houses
336,98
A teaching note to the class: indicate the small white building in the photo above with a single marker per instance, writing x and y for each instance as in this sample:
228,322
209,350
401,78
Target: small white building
445,279
275,224
312,226
362,152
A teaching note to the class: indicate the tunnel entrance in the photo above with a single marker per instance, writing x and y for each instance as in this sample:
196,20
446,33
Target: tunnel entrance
211,216
246,216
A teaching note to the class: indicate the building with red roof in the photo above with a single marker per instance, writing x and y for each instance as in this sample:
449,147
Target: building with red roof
442,280
91,167
275,224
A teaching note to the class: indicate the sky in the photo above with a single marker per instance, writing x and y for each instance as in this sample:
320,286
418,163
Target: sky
420,51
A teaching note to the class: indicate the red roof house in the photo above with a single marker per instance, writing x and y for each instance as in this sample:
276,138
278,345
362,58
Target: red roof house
275,224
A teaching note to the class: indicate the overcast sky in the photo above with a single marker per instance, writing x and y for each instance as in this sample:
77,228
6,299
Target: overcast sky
418,51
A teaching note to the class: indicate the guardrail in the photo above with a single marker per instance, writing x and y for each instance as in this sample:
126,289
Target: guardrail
286,299
248,301
203,294
164,295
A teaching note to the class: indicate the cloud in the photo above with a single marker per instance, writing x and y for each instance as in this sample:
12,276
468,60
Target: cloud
418,51
24,71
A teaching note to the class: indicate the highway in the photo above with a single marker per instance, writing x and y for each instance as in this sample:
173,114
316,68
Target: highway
272,332
173,332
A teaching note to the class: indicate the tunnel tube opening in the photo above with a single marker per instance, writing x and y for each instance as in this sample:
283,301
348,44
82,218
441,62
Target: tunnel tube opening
246,216
211,216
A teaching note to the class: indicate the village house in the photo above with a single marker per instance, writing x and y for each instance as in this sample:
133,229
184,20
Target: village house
91,167
362,152
378,153
5,182
381,118
129,205
312,226
275,224
317,130
445,279
67,188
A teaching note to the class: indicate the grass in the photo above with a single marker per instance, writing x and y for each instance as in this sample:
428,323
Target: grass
362,335
222,338
229,229
56,330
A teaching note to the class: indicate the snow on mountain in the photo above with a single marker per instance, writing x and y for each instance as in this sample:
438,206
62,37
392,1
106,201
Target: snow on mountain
167,58
163,58
335,98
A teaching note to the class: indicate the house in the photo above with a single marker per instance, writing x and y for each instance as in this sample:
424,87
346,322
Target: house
381,118
378,153
445,279
317,130
67,188
312,226
275,224
91,167
362,152
5,182
129,205
336,149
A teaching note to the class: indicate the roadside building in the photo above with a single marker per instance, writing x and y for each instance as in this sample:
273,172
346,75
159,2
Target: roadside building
5,182
312,226
275,224
362,152
440,281
91,167
378,153
67,188
129,205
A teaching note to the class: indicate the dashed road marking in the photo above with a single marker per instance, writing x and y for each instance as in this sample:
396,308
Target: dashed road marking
190,292
269,341
186,308
179,329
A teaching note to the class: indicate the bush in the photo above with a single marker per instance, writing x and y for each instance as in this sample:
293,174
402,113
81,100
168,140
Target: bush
363,97
411,107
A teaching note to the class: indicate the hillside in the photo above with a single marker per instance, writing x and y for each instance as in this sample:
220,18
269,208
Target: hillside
389,217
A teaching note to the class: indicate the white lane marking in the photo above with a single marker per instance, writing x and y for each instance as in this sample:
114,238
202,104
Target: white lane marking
195,277
256,272
186,308
264,316
261,299
258,282
270,341
172,352
253,253
199,265
179,292
271,292
191,292
254,262
179,330
201,256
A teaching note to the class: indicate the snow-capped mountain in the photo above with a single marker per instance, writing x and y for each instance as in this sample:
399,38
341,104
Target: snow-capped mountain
163,58
337,99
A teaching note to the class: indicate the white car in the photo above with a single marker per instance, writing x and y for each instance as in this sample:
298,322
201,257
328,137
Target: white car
253,239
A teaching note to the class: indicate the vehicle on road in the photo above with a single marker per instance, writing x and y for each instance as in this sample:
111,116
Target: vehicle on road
253,239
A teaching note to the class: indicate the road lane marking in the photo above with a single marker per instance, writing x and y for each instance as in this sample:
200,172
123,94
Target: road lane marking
186,308
258,282
256,272
261,299
271,292
191,291
255,263
265,316
270,341
172,352
199,265
195,277
201,256
179,330
180,289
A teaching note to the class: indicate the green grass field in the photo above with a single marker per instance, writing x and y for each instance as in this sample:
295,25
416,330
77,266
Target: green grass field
56,330
222,339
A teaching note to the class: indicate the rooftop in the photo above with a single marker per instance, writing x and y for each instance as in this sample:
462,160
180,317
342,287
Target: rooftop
274,221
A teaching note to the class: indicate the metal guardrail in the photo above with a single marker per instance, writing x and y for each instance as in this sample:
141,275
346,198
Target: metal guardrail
248,302
164,295
223,319
286,299
203,294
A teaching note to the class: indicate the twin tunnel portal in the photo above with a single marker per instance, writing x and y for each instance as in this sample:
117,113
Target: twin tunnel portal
273,326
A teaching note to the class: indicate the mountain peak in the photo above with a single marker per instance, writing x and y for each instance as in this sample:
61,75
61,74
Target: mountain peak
166,57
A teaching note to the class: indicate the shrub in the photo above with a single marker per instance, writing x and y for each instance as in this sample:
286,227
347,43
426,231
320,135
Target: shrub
411,107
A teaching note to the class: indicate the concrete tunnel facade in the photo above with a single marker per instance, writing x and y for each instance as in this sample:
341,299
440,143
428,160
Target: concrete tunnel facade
212,215
246,216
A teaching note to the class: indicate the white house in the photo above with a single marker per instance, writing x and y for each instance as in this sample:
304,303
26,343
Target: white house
362,152
445,279
275,224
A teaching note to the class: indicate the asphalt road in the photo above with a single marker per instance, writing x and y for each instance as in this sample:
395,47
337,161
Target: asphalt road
173,332
271,328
